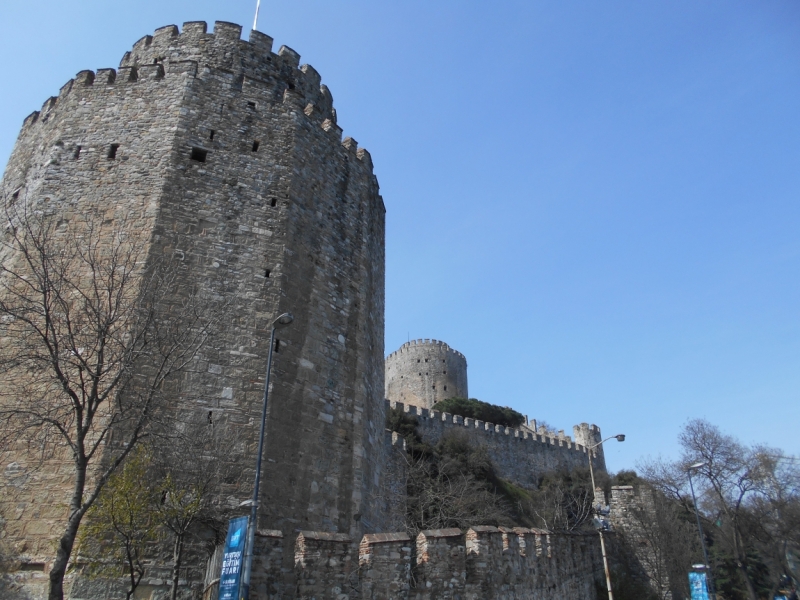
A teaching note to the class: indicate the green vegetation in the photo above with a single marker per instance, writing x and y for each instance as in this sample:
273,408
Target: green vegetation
483,411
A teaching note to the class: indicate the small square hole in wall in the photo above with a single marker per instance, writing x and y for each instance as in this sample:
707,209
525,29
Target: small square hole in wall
112,151
199,154
251,105
256,144
266,273
273,202
15,194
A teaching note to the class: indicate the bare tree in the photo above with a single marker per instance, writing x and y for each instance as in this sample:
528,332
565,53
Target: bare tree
563,500
748,496
89,346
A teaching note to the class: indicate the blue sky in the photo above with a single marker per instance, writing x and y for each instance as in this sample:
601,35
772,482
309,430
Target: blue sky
596,202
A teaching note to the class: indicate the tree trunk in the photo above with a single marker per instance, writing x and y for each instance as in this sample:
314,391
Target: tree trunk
63,553
67,541
751,590
177,555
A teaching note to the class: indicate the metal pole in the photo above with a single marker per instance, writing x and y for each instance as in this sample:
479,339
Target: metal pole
255,21
711,591
600,531
251,526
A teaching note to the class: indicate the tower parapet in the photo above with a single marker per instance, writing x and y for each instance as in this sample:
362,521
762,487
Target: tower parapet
424,372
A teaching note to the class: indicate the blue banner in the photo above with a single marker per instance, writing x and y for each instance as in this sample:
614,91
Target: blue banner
698,585
233,559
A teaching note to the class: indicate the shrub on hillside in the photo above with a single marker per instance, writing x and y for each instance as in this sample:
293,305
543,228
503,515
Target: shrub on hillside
483,411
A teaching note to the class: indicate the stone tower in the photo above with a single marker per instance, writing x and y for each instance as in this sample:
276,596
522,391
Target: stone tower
227,156
424,372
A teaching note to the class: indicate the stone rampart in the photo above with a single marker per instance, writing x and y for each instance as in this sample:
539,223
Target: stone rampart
479,564
519,455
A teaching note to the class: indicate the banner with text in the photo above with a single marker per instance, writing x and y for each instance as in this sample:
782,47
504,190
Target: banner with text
233,559
698,585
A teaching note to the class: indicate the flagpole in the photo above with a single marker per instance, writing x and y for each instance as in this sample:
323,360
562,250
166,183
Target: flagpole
255,21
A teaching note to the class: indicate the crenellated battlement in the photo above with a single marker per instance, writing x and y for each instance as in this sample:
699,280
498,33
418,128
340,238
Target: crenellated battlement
252,65
425,342
481,562
441,421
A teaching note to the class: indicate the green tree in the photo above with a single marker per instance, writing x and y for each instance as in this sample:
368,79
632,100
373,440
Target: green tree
120,525
483,411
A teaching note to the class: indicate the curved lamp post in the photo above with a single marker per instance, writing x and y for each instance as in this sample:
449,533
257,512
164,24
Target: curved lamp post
620,437
694,467
282,321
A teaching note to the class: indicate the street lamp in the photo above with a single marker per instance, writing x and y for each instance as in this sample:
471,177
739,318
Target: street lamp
689,470
620,437
282,321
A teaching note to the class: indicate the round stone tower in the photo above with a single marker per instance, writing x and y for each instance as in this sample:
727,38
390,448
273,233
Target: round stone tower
226,156
424,372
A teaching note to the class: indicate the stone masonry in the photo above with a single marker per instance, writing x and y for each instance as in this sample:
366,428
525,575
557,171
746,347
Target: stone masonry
227,156
444,564
424,372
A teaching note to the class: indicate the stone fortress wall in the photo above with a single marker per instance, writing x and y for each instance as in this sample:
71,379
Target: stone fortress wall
444,564
424,372
226,156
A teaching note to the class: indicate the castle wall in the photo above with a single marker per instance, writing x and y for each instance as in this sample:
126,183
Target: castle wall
483,563
281,215
424,372
518,454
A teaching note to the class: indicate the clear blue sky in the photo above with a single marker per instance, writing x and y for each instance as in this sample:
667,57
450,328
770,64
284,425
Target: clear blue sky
596,202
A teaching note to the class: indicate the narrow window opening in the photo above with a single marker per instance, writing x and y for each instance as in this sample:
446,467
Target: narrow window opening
445,388
15,195
211,134
426,360
266,273
273,202
210,419
251,105
277,345
112,151
199,154
420,374
418,360
256,144
444,372
77,154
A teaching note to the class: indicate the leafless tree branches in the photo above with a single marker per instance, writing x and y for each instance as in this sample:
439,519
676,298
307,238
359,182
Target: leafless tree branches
91,335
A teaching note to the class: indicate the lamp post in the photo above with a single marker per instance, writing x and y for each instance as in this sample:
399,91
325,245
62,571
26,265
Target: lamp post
282,321
620,437
689,470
